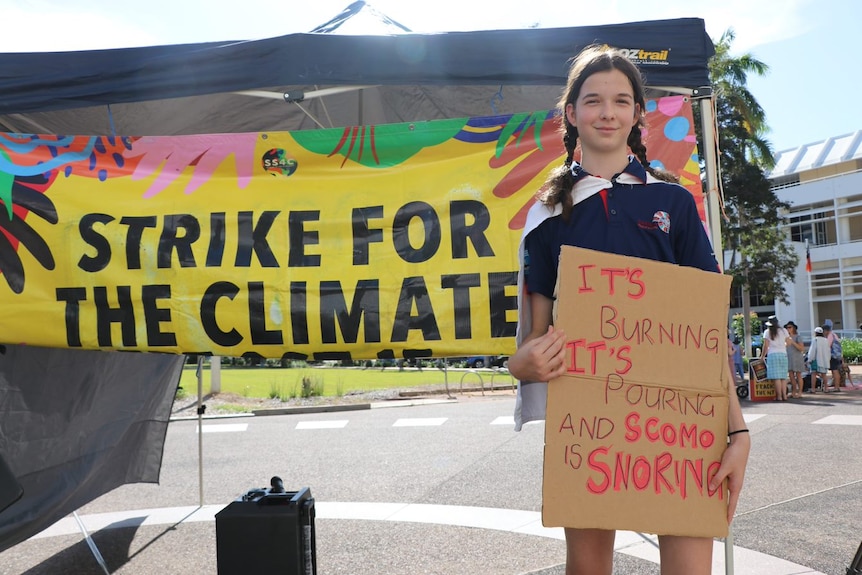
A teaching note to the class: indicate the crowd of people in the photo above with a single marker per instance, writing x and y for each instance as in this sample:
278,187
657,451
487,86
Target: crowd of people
789,365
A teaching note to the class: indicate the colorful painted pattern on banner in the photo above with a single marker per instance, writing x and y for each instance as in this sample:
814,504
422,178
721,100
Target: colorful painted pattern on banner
384,241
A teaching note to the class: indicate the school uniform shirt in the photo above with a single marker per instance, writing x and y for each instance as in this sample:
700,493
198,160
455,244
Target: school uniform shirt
633,214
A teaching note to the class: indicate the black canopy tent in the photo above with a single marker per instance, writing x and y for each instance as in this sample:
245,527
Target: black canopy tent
190,88
329,80
316,80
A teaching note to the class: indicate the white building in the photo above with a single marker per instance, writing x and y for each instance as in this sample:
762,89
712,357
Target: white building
822,182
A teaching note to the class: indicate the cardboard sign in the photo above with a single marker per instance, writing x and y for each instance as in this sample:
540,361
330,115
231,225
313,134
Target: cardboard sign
638,425
761,388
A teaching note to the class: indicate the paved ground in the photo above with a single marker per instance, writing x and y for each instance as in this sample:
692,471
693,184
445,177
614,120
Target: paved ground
448,488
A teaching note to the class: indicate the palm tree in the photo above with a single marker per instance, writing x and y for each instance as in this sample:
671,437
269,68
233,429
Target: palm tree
752,211
729,76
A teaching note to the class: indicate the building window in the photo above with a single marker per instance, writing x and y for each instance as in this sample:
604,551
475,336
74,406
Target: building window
813,227
755,298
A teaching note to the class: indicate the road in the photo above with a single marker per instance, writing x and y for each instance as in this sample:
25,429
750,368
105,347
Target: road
449,488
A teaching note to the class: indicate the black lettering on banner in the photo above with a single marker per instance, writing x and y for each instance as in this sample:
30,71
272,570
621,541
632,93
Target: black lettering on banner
414,291
299,238
123,314
209,300
172,239
254,238
366,301
257,318
103,247
298,314
363,234
73,297
218,234
401,232
134,234
500,303
154,315
460,285
461,231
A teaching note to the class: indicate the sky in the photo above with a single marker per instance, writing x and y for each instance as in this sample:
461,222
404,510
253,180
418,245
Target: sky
808,44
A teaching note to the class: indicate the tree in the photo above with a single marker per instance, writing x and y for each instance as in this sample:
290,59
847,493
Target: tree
729,75
760,256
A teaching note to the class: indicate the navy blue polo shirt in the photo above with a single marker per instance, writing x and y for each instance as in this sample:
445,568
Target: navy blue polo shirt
656,221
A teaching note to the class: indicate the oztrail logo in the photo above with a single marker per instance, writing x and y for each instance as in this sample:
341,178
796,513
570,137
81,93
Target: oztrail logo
646,57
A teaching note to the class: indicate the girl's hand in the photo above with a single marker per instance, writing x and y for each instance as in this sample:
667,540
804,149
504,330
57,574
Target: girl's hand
733,469
541,358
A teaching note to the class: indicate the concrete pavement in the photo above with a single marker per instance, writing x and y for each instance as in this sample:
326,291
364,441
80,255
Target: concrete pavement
792,518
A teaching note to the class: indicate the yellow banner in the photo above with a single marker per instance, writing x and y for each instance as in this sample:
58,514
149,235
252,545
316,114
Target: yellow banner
377,241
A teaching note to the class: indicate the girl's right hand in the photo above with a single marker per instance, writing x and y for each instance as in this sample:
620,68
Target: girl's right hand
541,358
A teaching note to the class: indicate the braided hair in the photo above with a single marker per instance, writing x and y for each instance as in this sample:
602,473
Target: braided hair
590,60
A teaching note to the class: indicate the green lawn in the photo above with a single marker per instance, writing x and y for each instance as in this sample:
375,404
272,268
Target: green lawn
329,381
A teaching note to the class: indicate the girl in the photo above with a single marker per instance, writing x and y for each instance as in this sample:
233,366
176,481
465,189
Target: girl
614,202
775,342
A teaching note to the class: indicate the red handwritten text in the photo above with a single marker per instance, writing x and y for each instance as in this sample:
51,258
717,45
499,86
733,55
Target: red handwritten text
630,276
684,435
621,471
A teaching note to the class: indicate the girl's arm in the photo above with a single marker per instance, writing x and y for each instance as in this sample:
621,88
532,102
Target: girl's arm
735,456
541,356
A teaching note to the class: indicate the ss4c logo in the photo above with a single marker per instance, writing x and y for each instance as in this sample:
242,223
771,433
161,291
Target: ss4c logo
278,162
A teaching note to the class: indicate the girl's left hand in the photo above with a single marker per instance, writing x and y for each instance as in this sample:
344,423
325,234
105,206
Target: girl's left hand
733,469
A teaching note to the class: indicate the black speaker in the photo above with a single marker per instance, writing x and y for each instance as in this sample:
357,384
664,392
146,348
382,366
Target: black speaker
267,531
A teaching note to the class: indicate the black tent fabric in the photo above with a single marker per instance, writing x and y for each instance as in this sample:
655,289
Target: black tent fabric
191,88
77,424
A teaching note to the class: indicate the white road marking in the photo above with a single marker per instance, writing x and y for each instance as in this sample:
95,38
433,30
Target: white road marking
419,421
224,427
840,420
504,420
749,417
331,424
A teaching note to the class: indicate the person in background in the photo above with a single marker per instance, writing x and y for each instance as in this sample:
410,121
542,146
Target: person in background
775,341
835,356
738,368
730,355
818,357
795,361
616,202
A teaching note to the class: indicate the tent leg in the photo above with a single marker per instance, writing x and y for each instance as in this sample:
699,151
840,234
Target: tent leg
728,552
713,194
201,409
91,544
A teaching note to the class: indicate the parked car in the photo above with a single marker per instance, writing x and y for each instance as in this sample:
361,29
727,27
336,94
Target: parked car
480,361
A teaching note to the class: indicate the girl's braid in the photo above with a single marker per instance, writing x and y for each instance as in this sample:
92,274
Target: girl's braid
638,148
561,180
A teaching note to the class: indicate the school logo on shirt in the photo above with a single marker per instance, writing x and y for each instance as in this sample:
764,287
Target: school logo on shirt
660,221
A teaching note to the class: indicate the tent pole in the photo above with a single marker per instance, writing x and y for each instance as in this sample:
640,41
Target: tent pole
710,158
713,214
201,409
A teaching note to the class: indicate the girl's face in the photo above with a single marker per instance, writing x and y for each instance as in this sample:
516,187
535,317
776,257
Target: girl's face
604,113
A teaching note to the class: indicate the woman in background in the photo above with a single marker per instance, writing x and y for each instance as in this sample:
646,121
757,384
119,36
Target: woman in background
795,361
775,341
